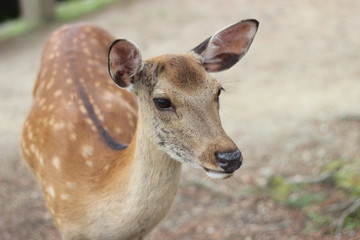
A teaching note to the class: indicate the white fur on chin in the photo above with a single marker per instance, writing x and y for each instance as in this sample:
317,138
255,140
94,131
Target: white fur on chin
218,175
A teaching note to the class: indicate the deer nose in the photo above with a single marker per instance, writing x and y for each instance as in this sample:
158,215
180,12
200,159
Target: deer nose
229,161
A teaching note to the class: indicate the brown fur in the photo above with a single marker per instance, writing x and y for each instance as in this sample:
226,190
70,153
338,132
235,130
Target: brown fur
59,131
110,169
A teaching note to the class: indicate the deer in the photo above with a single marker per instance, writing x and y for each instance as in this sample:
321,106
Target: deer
108,132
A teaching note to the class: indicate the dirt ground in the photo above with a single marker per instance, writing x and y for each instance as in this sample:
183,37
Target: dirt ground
292,105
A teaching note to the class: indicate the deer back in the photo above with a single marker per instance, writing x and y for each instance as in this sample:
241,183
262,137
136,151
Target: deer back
80,122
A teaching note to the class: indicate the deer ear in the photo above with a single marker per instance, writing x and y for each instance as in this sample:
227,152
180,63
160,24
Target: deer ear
226,47
124,62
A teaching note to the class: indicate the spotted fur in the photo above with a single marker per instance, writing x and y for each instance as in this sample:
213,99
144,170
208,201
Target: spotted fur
108,160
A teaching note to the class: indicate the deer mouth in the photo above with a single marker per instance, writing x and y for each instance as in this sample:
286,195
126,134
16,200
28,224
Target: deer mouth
217,174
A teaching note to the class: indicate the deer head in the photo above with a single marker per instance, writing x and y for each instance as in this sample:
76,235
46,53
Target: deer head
179,99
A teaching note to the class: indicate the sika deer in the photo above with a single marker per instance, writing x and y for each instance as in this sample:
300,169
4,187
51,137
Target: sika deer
109,160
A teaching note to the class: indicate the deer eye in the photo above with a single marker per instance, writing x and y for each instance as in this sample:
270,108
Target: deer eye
163,104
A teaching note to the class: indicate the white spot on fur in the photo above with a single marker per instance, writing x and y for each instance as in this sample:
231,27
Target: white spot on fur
87,51
108,105
51,191
32,148
89,121
56,163
50,84
30,135
42,101
43,72
73,136
37,153
71,185
94,41
87,151
52,121
51,107
58,221
118,130
89,69
82,109
59,126
89,163
129,116
97,110
57,93
65,196
91,100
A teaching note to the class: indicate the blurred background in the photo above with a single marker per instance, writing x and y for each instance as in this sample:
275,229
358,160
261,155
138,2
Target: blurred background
292,105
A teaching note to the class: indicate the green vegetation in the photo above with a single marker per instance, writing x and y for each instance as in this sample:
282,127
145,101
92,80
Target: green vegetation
352,221
311,197
316,221
348,178
279,188
15,28
70,10
64,11
305,199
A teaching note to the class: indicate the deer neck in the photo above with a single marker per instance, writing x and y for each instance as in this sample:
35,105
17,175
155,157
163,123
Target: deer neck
141,189
152,174
152,168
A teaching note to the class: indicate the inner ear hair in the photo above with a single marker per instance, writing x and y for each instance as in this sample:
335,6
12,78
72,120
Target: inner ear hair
227,46
124,62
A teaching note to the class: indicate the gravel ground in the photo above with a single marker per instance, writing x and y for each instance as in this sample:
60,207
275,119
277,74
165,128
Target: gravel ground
291,105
